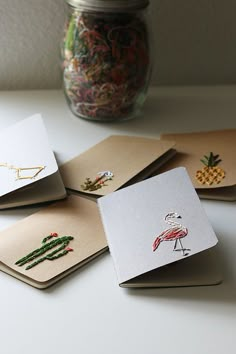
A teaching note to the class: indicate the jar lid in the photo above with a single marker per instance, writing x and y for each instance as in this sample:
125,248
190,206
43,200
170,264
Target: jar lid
109,5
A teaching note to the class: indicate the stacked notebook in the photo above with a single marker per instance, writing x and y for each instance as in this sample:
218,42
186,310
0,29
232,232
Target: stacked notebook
114,163
28,169
159,235
156,230
209,158
60,238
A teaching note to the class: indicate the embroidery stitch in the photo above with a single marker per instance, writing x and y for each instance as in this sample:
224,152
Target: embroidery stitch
174,233
52,234
63,241
99,181
211,173
19,170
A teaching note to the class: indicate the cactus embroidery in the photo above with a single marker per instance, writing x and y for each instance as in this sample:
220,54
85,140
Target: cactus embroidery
211,173
61,251
99,182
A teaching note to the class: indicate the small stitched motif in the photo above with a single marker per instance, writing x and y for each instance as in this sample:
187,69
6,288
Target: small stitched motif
61,251
99,182
211,173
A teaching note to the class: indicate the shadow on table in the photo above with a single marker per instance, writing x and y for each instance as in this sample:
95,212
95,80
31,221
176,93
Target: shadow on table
75,275
221,293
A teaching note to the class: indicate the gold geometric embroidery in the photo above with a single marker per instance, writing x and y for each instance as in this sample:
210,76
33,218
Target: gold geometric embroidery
20,171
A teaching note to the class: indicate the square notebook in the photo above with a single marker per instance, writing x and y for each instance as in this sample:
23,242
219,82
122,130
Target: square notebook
28,169
114,163
209,158
50,244
159,235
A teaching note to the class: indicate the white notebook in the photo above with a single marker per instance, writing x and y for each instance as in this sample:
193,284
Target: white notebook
28,168
159,235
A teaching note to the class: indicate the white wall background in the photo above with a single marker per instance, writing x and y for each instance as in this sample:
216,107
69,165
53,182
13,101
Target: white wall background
194,42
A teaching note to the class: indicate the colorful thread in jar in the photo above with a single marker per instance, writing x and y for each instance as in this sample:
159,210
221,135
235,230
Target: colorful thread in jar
106,63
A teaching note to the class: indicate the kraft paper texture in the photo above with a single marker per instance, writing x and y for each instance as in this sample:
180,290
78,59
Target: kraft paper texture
191,147
124,156
76,217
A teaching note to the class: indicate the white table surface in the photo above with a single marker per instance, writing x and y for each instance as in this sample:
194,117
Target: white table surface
87,312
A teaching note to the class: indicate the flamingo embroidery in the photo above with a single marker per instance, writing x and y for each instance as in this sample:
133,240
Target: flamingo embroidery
175,233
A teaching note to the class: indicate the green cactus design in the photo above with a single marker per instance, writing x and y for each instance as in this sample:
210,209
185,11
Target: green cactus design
46,246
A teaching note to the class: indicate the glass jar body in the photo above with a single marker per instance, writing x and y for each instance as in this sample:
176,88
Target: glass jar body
106,63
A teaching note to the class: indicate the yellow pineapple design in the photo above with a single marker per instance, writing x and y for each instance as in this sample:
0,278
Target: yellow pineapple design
211,173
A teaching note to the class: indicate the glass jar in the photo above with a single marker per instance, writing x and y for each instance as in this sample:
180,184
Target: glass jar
106,58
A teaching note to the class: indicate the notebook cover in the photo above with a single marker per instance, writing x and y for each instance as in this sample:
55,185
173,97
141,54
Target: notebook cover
126,158
76,217
28,169
191,149
152,224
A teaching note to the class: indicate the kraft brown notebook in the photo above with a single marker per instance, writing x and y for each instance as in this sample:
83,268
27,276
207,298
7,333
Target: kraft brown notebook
210,159
50,244
114,163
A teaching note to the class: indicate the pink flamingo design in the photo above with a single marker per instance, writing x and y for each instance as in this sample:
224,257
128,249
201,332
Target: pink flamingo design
174,233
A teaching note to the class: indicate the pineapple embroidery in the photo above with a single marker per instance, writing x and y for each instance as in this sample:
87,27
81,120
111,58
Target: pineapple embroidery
211,173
